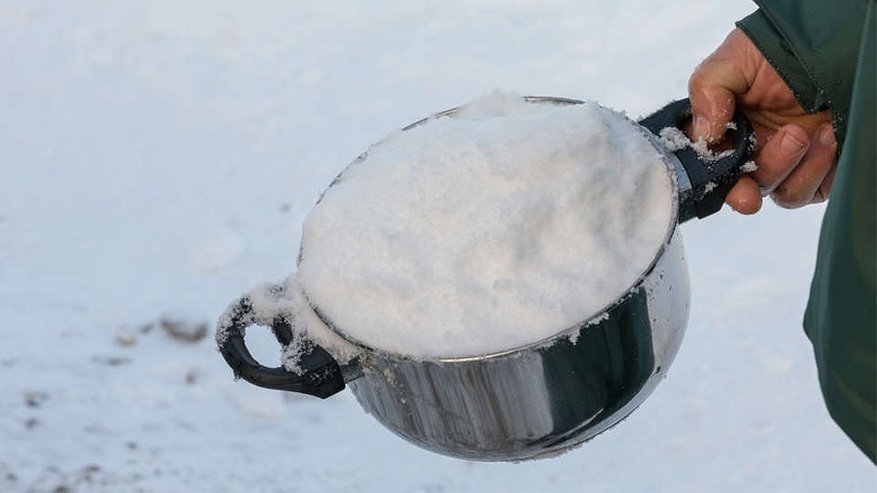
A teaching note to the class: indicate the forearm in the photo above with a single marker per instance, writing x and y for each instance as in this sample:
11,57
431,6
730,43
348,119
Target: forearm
814,45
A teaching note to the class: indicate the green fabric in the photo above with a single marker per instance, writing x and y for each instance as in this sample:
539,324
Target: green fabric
813,44
820,50
840,318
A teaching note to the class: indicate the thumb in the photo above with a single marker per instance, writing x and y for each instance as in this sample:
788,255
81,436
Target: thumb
714,85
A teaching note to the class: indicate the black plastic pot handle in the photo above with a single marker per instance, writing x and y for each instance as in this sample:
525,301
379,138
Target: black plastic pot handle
321,376
711,180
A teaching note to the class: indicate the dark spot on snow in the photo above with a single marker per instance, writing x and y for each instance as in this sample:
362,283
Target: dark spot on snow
132,445
11,477
110,360
192,376
35,399
657,370
61,488
184,331
285,208
146,328
126,340
87,473
31,423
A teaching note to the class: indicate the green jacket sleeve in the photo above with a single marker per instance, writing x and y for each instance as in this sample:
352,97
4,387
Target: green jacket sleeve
814,45
841,313
826,53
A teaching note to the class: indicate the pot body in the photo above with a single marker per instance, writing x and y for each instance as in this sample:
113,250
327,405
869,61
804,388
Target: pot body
532,401
540,401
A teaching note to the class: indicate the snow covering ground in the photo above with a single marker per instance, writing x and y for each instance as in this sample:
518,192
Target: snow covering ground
158,158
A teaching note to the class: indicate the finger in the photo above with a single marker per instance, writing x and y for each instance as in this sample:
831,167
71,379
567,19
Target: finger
801,186
825,189
779,156
745,196
714,85
712,103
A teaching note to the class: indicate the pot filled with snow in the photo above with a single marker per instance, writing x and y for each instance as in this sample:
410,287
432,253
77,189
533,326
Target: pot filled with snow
499,281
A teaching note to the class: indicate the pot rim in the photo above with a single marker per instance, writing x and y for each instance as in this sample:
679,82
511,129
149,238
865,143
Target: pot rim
568,332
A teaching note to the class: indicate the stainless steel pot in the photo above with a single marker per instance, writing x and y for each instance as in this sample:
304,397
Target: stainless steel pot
535,400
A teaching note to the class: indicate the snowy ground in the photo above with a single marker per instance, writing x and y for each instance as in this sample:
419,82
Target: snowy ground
156,161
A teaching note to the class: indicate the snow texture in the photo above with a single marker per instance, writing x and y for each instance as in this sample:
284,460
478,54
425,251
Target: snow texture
674,139
487,231
267,302
135,134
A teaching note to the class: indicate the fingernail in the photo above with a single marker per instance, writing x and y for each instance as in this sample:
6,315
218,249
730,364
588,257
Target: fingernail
826,135
701,128
791,144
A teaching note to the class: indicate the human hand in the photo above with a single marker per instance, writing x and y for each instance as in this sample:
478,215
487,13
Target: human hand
796,152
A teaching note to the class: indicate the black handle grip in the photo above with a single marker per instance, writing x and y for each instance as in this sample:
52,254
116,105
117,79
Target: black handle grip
711,179
320,376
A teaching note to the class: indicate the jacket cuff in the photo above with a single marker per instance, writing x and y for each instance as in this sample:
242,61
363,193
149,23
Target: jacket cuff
776,51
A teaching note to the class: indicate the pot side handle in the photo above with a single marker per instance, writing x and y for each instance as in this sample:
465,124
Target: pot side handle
321,375
711,179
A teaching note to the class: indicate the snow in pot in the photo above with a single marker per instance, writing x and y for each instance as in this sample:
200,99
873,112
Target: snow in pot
486,231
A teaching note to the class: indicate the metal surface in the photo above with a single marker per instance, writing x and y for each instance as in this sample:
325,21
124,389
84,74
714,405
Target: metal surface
530,403
553,394
548,396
